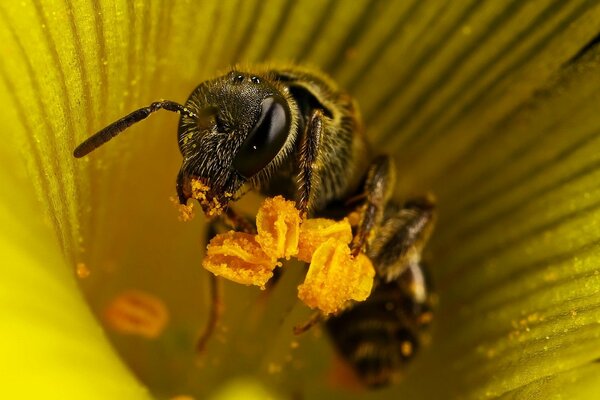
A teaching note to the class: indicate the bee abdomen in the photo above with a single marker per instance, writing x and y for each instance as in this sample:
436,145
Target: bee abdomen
378,336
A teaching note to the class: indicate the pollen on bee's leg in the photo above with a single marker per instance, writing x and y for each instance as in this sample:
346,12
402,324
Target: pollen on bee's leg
238,257
200,190
135,312
278,225
334,278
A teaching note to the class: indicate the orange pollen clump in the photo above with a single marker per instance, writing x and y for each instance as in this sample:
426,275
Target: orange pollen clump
82,270
334,277
278,226
186,211
315,231
199,190
238,257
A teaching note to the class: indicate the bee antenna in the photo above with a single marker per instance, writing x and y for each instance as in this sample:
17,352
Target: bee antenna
112,130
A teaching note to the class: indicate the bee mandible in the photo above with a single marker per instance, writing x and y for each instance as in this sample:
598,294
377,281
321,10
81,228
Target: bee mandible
290,131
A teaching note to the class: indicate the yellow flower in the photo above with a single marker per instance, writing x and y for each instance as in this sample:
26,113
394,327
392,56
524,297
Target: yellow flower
493,107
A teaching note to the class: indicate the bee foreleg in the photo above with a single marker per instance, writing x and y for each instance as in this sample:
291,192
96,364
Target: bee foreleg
309,150
238,222
400,239
377,191
415,284
214,312
314,319
213,316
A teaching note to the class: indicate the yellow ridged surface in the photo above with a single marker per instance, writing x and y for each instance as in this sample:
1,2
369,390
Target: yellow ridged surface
488,105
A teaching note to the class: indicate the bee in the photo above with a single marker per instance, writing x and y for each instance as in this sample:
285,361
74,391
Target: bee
290,131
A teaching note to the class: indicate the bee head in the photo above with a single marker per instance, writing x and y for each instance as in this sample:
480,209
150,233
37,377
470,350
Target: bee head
233,129
240,129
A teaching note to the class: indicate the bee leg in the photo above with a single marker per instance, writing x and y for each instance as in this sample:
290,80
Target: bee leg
231,218
215,310
313,320
380,335
400,239
377,190
416,286
214,313
309,150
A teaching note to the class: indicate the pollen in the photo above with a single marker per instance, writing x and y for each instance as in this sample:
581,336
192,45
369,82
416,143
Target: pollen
238,257
334,278
186,211
200,190
135,312
406,348
278,226
315,231
82,270
425,318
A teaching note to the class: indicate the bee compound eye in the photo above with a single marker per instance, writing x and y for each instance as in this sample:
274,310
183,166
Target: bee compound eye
266,138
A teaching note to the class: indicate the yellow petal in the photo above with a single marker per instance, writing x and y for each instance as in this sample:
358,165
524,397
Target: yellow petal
49,335
491,107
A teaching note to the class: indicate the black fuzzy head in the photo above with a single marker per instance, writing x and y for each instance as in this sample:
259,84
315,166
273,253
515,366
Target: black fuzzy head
243,127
